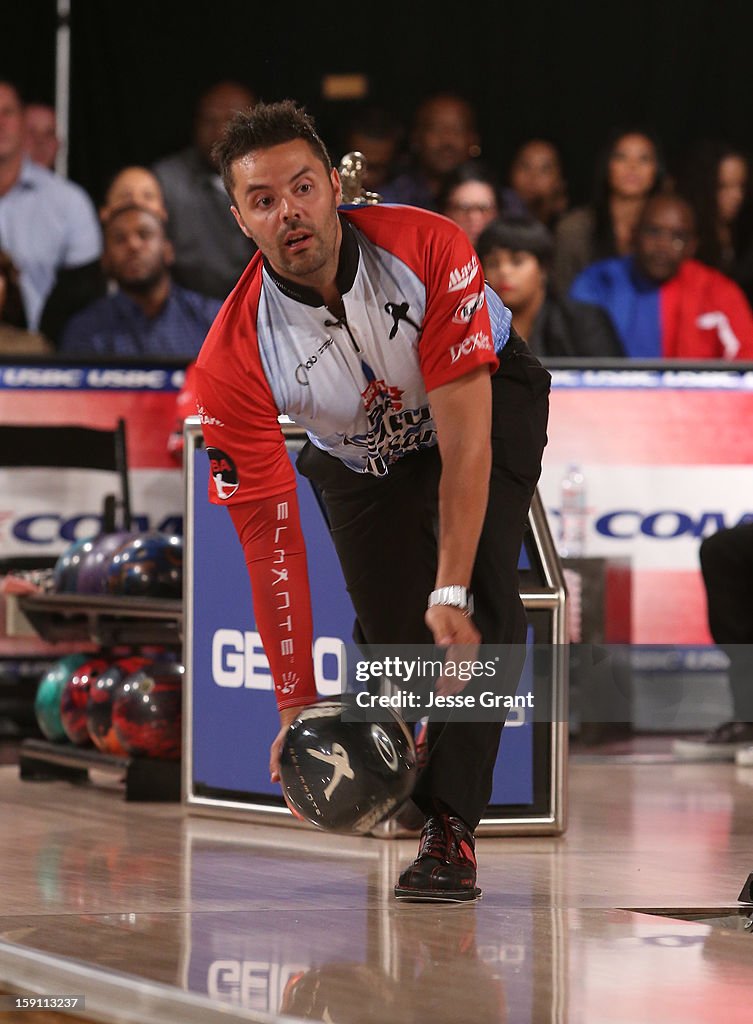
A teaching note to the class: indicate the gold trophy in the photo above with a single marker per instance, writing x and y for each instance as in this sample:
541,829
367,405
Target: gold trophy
352,169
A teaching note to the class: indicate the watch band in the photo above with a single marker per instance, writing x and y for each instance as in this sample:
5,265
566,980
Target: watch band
452,597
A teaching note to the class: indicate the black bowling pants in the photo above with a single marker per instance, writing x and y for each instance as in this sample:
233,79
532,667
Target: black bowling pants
384,531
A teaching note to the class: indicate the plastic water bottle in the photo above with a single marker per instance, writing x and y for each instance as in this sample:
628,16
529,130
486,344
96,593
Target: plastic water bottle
573,514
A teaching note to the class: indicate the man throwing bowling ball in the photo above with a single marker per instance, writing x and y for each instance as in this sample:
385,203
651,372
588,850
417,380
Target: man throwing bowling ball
372,328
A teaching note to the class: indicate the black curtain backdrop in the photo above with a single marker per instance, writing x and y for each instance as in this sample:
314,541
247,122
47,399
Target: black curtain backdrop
566,71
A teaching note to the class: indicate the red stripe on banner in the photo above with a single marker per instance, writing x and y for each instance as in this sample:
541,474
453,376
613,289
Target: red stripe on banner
149,417
649,428
669,607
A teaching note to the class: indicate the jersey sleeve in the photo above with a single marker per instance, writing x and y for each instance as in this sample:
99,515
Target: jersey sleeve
243,439
275,553
457,335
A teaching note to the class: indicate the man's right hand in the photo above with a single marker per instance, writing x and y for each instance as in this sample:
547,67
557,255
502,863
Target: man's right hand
287,715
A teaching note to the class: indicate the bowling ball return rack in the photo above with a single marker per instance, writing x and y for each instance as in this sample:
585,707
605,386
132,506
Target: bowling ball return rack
107,621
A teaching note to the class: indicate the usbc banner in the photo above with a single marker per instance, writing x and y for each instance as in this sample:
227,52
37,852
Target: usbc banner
668,460
41,513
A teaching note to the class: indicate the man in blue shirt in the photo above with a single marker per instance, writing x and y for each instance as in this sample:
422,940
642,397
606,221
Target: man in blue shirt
48,225
148,315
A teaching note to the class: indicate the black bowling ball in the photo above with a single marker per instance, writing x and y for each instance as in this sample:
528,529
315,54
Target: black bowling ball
342,772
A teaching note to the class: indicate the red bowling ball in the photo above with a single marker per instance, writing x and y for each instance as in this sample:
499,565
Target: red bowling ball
102,693
74,699
146,711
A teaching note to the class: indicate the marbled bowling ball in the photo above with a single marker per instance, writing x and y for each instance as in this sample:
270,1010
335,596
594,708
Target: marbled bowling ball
95,564
146,711
49,694
149,565
99,703
68,566
74,699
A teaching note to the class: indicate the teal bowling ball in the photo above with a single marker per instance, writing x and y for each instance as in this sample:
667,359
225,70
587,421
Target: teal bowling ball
49,693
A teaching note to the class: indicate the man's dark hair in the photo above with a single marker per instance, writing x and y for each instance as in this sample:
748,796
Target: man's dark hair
473,170
265,125
518,234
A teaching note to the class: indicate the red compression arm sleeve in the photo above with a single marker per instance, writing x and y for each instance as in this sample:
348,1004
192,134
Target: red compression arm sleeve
272,539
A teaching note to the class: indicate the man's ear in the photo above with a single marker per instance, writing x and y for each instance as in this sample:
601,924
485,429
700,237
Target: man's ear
239,221
690,248
337,186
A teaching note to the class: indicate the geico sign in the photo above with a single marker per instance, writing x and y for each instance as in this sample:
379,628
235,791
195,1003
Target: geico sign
47,528
665,524
255,983
238,660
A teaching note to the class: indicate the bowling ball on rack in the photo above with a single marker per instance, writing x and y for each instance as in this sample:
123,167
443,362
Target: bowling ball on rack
344,773
95,564
68,566
74,698
149,565
102,692
49,693
146,711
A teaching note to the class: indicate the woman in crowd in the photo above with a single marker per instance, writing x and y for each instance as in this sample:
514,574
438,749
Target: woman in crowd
629,170
516,255
536,175
715,180
471,197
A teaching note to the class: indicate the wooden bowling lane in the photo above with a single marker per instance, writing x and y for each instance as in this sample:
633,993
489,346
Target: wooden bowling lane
177,917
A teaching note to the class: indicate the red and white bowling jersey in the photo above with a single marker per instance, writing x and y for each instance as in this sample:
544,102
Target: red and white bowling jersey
417,315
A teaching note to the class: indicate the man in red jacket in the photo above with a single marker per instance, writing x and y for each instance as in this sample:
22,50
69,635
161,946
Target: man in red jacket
663,303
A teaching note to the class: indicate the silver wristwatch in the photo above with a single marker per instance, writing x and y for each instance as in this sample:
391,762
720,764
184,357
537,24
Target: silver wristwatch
453,597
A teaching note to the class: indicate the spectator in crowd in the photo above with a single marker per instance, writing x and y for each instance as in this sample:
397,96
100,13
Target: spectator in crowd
537,176
715,180
443,136
471,196
148,315
48,226
727,567
377,134
130,185
14,338
136,185
663,303
516,255
41,140
209,254
629,170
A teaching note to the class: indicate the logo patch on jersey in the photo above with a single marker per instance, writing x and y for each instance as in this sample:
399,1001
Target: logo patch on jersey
224,473
206,417
399,311
464,313
302,370
378,389
471,343
461,277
